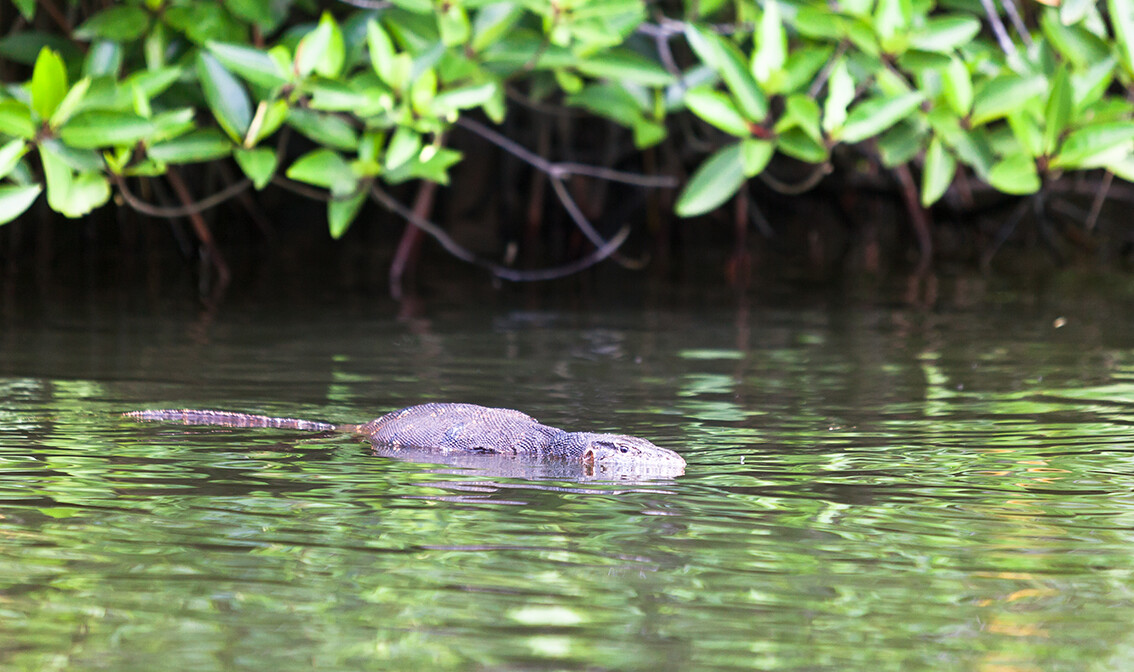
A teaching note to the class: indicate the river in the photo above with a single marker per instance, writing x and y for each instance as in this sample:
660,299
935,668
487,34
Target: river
877,480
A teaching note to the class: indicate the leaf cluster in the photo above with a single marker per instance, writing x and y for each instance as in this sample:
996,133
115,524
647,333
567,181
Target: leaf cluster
143,85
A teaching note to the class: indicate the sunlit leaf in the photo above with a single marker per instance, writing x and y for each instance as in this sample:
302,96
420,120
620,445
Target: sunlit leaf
997,97
1096,145
324,128
404,145
324,168
203,145
16,199
121,23
713,183
342,212
945,33
717,109
937,174
1015,174
252,64
16,120
726,59
771,46
623,64
103,128
259,164
48,83
755,155
10,154
1057,112
875,115
313,47
227,99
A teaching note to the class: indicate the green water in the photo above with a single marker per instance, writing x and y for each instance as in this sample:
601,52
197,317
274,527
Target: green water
870,486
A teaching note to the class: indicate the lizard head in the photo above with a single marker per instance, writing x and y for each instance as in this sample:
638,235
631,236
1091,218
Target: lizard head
619,451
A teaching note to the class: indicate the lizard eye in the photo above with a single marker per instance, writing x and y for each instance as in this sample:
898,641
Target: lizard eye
624,449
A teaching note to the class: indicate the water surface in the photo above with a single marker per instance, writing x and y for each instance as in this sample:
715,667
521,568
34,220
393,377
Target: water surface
871,485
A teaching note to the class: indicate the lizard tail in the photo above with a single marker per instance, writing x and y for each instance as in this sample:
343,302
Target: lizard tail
188,416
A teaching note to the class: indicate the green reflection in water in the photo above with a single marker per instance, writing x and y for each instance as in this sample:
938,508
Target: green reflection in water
857,498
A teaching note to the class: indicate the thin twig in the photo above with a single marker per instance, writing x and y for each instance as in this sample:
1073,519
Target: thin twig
369,4
808,183
561,170
1006,43
502,272
188,210
1097,203
1013,13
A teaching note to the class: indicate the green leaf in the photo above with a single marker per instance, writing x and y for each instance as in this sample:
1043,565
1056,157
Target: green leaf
325,129
717,109
70,194
970,145
1122,19
957,86
647,132
382,55
493,22
755,155
1058,110
871,117
453,24
1096,145
802,65
404,145
623,64
16,120
431,164
892,22
1015,174
937,175
1073,42
102,128
713,183
997,97
252,64
463,97
726,59
104,58
10,155
802,112
341,212
840,94
771,47
48,83
274,115
122,23
172,123
944,34
313,47
70,103
796,143
324,168
27,8
362,100
14,200
203,145
901,143
227,99
258,164
1027,133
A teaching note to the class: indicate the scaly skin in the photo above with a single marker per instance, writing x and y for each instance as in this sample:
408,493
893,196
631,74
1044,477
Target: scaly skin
460,428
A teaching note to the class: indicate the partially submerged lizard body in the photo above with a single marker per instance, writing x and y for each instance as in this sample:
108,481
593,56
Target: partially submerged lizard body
462,428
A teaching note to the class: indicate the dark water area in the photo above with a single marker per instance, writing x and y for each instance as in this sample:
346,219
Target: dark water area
927,475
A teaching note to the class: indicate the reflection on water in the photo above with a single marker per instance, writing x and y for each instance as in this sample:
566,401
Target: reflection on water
876,488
